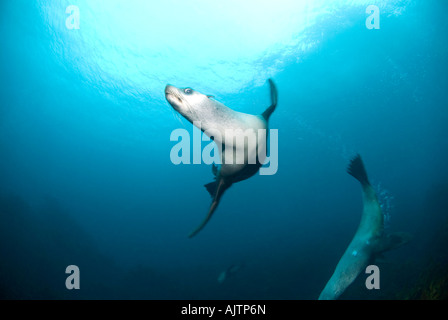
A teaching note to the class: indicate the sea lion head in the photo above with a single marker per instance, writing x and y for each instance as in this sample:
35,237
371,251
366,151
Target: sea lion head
190,103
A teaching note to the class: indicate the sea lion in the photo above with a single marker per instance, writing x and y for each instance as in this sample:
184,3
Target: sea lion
214,116
369,241
230,271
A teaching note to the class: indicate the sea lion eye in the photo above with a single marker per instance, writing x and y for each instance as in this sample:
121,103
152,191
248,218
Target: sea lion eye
188,91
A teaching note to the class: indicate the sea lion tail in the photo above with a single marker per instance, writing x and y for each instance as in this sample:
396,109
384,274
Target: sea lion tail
274,98
358,171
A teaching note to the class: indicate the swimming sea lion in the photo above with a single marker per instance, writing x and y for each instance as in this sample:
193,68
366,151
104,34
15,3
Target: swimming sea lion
228,125
369,241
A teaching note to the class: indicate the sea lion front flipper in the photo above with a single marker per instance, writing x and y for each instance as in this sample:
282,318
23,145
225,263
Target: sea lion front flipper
219,186
274,98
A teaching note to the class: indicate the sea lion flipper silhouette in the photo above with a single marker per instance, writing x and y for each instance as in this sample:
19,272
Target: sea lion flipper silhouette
217,188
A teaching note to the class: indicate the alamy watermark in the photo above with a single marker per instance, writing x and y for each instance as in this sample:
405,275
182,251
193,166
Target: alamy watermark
241,147
373,280
73,280
72,22
373,20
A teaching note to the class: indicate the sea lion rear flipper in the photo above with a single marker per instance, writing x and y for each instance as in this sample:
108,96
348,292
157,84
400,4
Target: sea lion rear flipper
392,240
209,215
215,170
358,171
212,187
219,187
274,97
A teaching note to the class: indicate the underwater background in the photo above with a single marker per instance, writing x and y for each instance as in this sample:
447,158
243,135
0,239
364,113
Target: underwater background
85,172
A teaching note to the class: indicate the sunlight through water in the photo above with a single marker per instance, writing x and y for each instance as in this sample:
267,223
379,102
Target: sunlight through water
136,46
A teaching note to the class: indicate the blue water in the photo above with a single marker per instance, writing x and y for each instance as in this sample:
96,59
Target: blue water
85,172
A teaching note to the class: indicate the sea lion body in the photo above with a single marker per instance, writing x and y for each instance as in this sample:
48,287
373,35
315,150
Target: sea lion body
239,161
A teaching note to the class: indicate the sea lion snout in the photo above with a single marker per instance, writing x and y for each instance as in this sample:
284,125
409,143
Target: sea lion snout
173,96
169,89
